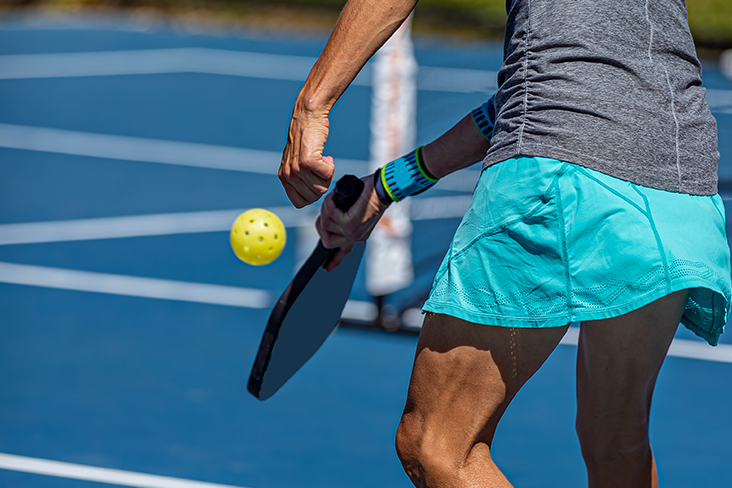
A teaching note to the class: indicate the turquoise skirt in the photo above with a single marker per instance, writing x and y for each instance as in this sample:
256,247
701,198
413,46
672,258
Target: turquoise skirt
546,243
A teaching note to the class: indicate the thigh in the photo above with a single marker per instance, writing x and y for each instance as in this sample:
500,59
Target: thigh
618,363
463,378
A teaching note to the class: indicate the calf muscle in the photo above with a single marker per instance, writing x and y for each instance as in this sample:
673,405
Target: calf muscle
618,362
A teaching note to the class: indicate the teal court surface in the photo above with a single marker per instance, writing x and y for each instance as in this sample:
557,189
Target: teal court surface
128,327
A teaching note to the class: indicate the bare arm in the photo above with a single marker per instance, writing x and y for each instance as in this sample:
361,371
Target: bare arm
461,146
362,28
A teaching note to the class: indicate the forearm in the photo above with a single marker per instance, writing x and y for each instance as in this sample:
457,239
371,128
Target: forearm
461,146
464,144
362,28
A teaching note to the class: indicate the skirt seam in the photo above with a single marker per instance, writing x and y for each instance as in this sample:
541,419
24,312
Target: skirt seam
563,237
586,174
659,242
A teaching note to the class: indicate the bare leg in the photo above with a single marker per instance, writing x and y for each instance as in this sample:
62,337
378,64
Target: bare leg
464,377
618,363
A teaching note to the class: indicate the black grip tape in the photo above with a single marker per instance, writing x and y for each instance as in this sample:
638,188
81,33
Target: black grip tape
347,191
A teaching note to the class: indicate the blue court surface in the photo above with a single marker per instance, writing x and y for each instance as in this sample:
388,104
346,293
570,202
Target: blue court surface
128,327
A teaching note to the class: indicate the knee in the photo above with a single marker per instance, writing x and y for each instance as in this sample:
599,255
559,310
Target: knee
424,459
606,441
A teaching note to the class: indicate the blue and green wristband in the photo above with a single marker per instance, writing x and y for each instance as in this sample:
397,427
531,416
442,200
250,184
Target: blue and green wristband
485,117
403,177
408,175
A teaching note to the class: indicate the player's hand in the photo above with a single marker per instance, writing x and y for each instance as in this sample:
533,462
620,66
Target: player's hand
344,229
305,173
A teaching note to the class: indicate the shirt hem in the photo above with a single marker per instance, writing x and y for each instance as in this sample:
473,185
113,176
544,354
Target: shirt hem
603,166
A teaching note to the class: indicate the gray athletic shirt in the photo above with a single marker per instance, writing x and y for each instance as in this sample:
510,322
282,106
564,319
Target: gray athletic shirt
612,85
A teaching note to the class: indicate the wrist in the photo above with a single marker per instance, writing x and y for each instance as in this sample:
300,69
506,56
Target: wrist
404,177
384,199
309,104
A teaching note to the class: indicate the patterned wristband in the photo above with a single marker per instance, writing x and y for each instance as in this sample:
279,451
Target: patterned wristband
380,190
406,176
485,117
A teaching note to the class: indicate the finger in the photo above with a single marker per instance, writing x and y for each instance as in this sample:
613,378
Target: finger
295,197
330,225
361,218
311,147
359,207
311,177
322,168
298,192
330,235
338,257
315,169
357,223
308,175
330,216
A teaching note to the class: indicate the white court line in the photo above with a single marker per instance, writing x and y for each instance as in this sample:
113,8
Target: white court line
462,181
191,222
255,65
135,286
155,61
680,348
217,62
362,311
725,63
456,80
719,101
430,208
68,279
139,226
110,476
210,156
151,150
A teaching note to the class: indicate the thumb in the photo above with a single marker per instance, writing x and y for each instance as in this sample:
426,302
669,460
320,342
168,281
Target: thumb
338,256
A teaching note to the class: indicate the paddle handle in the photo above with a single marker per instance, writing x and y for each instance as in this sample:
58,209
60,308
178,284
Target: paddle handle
347,191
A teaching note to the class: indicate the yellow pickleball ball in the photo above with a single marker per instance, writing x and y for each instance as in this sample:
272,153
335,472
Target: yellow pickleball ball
258,236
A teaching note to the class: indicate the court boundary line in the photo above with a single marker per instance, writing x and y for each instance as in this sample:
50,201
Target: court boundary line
129,148
253,65
111,476
209,156
680,348
155,288
133,286
149,225
218,62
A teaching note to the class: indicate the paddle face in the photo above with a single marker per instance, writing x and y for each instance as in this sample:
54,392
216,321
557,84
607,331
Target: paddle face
308,310
310,320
